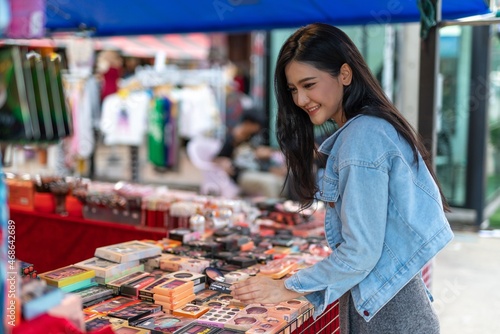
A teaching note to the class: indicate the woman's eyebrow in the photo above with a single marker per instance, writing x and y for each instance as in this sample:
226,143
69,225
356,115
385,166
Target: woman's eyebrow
303,79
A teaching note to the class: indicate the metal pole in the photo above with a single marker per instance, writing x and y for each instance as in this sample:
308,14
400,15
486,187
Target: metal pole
478,107
429,70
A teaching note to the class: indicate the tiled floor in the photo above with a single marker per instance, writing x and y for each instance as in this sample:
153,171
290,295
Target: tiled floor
466,284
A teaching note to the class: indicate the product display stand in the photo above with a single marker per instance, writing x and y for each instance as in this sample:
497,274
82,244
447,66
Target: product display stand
326,323
53,241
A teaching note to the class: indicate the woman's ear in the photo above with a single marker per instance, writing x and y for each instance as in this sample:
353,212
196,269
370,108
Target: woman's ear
346,74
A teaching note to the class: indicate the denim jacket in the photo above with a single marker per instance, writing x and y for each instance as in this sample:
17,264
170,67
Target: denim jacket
384,218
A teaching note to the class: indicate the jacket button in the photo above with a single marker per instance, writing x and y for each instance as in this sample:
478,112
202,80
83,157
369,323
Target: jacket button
366,313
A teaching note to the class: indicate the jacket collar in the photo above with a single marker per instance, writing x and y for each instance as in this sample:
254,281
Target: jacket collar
327,144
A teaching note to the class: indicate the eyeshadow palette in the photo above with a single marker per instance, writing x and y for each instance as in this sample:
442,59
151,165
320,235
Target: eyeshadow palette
170,306
268,325
197,278
255,310
242,322
283,312
217,317
173,287
98,321
172,262
173,298
164,323
135,311
196,328
110,305
301,305
147,291
277,269
221,287
204,296
191,311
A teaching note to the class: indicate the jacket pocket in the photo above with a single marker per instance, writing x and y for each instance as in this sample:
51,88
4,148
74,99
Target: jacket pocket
328,188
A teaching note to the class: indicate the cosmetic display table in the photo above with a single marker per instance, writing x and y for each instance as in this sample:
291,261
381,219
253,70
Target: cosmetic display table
51,241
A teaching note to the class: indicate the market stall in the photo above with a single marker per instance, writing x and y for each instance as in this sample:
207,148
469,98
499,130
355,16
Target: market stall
133,19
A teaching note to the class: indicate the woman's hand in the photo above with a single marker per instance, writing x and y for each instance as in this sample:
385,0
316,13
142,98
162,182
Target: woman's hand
262,290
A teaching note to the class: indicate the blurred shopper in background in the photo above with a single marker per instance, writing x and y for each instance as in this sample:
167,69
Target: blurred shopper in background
109,70
237,101
385,216
256,168
129,66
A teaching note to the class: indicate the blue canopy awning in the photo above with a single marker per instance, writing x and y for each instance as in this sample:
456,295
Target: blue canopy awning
132,17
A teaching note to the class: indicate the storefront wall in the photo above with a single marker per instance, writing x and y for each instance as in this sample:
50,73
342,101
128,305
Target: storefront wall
493,148
453,116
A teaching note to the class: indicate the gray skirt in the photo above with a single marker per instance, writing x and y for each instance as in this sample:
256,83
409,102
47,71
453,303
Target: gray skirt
410,311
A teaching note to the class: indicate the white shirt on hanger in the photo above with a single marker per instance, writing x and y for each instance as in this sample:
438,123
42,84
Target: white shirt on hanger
124,120
198,111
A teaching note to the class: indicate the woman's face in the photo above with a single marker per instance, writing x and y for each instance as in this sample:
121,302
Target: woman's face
317,92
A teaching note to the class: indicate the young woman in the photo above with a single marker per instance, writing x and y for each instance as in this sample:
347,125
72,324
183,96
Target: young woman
385,215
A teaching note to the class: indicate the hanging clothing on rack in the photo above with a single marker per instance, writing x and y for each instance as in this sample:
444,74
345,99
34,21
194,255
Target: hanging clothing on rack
162,134
80,95
198,111
124,118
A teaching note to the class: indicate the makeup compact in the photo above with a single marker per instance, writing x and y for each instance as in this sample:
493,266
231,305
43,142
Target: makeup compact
228,268
211,246
224,255
184,235
223,232
214,275
229,243
236,276
251,271
217,280
242,261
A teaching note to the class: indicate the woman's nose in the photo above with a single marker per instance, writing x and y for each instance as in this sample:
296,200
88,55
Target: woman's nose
302,99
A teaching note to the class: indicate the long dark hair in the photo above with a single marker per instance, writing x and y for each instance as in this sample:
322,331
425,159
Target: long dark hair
327,48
